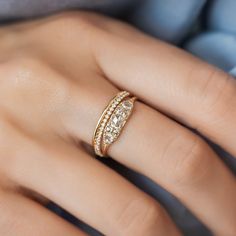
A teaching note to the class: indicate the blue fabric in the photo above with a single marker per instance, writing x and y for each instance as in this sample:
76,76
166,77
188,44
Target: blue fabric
215,47
221,16
205,28
169,20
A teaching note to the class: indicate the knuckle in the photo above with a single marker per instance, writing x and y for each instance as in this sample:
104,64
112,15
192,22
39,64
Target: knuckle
68,20
73,22
27,65
20,71
139,217
83,25
190,163
30,77
216,92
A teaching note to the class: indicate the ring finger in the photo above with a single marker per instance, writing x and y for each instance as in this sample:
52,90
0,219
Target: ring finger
175,158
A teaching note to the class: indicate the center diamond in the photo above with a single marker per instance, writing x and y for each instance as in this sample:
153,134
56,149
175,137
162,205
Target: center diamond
117,121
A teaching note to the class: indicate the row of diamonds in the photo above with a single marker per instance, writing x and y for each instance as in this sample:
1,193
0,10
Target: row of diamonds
104,119
117,121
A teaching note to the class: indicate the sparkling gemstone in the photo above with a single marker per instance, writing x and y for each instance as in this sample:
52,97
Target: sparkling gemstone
109,138
116,120
119,109
124,114
127,104
108,128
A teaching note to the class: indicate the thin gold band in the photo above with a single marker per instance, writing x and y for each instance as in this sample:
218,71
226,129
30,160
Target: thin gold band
112,122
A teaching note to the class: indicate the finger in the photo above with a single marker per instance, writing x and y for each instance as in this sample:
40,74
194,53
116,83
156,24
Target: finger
61,175
23,217
170,80
172,156
166,152
182,163
92,192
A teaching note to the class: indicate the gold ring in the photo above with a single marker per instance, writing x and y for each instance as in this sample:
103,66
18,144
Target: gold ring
112,122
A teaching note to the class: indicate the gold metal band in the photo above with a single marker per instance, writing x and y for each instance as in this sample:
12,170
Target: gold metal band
112,122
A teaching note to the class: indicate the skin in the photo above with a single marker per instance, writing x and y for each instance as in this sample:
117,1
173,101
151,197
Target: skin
56,76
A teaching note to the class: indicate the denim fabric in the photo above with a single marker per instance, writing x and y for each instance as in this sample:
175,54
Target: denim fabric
205,28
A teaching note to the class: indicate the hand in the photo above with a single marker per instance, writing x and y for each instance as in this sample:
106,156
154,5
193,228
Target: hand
56,77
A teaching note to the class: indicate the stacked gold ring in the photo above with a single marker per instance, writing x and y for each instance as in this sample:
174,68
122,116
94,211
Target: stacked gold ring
112,122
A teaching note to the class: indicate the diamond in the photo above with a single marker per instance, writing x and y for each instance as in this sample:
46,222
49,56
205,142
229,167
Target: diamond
112,122
127,104
109,138
116,120
108,128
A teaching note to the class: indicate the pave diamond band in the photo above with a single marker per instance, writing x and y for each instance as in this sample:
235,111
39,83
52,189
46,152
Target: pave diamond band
112,122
